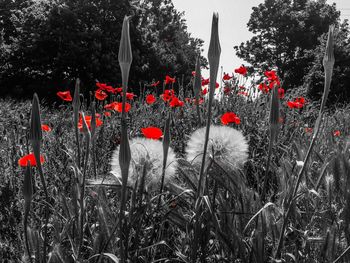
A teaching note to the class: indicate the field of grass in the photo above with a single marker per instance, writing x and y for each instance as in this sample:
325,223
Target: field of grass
261,194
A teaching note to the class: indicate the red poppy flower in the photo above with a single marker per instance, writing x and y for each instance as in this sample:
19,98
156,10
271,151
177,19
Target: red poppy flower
241,87
230,117
175,102
65,95
298,103
168,94
169,80
100,94
101,85
226,77
241,70
150,99
205,81
110,89
155,84
217,85
264,88
111,106
31,159
205,91
118,90
130,96
193,73
280,93
272,78
271,75
152,132
45,127
88,122
227,90
107,113
336,133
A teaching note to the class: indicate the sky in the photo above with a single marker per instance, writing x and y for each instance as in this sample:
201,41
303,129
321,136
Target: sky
233,18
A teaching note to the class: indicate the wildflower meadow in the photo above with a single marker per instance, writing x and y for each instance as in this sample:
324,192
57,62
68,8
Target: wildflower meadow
205,171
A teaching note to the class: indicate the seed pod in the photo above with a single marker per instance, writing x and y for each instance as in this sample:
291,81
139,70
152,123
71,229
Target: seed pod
35,133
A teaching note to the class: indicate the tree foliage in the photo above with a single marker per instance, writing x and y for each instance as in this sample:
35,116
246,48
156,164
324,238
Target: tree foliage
340,86
47,44
285,34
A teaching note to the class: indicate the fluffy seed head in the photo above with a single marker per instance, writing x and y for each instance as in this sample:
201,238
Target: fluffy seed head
227,145
149,152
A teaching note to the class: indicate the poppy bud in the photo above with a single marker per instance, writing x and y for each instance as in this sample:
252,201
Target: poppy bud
328,64
214,52
125,54
328,59
35,133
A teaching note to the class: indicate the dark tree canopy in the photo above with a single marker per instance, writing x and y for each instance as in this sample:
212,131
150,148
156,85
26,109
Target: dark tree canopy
285,34
340,86
45,45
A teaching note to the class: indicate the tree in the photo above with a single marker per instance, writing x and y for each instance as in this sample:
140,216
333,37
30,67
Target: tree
56,41
285,33
340,91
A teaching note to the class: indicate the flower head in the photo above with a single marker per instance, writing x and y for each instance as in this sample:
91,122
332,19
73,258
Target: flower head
298,103
31,159
100,94
147,153
150,99
169,80
226,77
227,145
45,127
241,70
152,132
230,117
65,95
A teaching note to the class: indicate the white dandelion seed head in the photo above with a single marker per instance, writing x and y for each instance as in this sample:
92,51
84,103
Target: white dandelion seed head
150,153
227,145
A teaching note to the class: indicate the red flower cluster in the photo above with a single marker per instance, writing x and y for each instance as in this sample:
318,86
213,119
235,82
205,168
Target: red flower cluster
298,103
230,117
